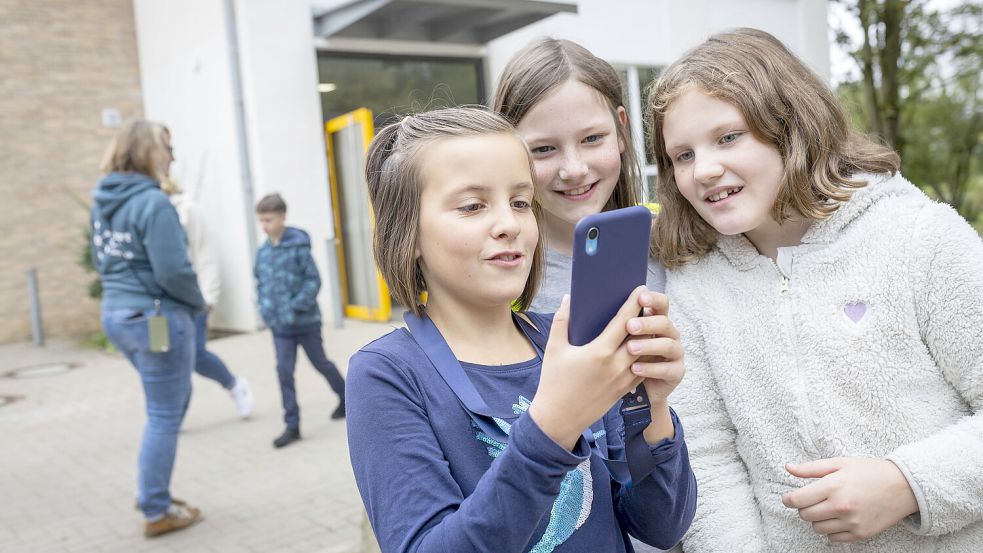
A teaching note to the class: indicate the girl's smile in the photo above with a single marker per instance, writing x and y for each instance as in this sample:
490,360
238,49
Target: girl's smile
720,194
580,194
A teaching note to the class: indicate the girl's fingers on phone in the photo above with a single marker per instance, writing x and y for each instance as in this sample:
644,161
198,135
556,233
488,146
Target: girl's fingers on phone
668,348
633,385
652,325
667,371
659,303
614,334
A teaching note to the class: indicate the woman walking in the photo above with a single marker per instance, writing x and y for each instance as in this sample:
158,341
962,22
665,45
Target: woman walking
149,301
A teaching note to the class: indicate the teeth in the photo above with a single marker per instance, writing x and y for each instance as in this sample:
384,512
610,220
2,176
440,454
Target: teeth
723,194
577,191
506,257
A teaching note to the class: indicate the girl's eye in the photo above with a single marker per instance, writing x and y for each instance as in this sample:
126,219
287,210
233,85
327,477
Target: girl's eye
728,138
592,139
469,208
521,204
542,149
685,156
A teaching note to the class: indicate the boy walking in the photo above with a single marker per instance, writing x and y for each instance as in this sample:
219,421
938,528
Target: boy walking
287,283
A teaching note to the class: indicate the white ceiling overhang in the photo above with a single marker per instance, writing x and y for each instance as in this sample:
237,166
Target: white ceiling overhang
435,21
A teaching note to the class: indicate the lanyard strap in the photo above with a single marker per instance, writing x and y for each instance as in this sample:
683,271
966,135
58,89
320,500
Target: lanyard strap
634,408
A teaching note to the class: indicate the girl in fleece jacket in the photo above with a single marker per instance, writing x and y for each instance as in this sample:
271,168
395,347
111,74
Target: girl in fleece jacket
832,317
452,193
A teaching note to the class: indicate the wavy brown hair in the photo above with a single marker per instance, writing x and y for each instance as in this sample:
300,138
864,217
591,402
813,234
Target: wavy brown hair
392,171
784,104
546,63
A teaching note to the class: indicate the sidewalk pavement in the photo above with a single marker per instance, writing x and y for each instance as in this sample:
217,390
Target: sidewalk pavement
70,442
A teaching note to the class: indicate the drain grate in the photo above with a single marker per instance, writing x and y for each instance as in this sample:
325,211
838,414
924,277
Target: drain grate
39,371
7,400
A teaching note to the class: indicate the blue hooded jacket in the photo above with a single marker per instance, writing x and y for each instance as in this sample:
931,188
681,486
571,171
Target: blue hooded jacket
287,281
139,246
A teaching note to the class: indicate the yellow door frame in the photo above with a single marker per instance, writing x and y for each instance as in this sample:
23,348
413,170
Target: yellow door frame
383,311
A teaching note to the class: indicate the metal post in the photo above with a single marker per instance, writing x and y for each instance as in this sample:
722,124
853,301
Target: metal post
32,292
334,281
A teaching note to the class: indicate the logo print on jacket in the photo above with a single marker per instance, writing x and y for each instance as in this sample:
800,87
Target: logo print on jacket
572,505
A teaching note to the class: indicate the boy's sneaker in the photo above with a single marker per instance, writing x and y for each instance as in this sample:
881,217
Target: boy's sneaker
177,517
289,436
339,412
243,397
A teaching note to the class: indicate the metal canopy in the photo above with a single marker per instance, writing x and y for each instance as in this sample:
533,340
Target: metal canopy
445,21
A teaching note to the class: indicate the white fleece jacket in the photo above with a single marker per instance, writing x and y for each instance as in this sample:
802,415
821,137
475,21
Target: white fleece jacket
204,258
866,340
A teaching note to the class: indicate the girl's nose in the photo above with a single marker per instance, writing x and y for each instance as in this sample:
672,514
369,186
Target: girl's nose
506,224
707,169
573,168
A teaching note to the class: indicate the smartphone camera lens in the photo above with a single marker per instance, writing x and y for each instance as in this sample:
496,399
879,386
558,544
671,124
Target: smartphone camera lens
590,245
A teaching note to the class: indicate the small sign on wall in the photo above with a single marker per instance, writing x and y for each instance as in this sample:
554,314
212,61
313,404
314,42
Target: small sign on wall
111,118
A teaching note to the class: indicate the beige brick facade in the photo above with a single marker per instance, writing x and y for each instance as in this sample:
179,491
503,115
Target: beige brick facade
61,63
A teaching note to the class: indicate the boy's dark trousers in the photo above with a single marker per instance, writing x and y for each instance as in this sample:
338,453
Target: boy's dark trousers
286,340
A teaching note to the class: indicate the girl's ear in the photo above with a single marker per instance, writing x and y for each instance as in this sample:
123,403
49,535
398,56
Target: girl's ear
623,121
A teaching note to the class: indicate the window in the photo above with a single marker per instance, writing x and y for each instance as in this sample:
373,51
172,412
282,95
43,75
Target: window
394,85
636,80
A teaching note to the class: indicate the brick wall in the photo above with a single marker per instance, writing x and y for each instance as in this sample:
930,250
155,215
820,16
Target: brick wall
61,63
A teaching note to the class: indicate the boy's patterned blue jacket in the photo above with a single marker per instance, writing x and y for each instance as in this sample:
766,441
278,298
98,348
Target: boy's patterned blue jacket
287,281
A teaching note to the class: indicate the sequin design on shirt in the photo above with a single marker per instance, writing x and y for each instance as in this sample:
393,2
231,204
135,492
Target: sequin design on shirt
572,505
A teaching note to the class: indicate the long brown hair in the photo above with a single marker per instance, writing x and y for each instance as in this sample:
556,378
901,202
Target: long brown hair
392,171
545,64
140,146
785,104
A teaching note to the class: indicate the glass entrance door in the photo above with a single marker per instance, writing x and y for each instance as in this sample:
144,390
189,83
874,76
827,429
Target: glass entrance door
363,291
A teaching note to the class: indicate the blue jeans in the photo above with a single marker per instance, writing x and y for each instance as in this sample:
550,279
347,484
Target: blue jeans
208,364
286,341
166,381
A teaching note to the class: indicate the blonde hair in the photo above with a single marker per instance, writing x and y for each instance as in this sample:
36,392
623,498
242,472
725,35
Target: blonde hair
546,63
784,104
140,146
392,171
170,186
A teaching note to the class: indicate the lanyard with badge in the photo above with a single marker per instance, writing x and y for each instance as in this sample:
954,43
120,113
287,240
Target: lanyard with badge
634,407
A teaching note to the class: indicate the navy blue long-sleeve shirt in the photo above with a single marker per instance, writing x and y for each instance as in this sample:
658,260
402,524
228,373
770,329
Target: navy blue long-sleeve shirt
432,482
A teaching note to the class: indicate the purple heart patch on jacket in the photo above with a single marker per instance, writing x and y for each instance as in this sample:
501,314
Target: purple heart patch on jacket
855,310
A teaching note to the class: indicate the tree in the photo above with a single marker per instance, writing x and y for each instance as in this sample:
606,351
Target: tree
920,89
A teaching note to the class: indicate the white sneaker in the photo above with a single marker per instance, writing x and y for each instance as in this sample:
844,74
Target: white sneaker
243,397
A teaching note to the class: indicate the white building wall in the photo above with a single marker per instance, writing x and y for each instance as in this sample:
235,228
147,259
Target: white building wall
283,120
656,32
185,66
187,71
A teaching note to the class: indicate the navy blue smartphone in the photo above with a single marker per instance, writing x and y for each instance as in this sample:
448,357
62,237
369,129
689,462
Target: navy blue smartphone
610,260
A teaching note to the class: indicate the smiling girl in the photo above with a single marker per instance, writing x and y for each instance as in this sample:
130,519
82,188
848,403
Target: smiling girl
514,462
832,316
567,105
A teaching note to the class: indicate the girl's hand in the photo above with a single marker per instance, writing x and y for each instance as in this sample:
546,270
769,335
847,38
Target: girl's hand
656,341
854,499
579,384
